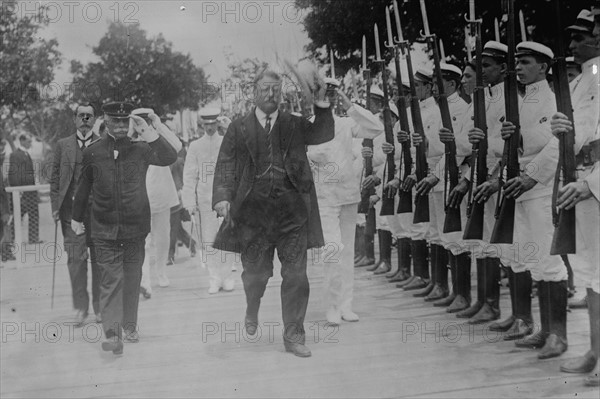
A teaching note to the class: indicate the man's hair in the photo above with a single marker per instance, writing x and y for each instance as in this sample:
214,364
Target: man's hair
76,110
23,136
267,73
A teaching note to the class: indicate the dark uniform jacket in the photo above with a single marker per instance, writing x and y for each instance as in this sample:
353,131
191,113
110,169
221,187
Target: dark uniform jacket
114,172
237,169
20,169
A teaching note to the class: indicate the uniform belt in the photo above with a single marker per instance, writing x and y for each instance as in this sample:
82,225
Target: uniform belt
589,154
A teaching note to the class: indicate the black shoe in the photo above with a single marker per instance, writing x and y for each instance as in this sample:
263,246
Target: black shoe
383,268
406,282
555,346
580,365
251,324
504,325
438,292
114,345
417,284
470,311
365,261
486,313
579,304
459,304
533,341
519,329
425,291
297,349
447,301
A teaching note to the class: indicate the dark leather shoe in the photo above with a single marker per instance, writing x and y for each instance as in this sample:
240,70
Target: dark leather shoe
80,317
401,275
375,266
365,261
446,301
438,292
114,345
384,267
417,284
251,324
580,365
425,291
503,325
485,314
578,304
131,337
470,311
555,346
459,304
297,349
592,380
406,282
533,341
519,329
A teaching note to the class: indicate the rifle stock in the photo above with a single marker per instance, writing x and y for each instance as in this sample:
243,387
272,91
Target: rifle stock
388,194
421,212
564,238
476,210
363,206
505,211
404,197
452,219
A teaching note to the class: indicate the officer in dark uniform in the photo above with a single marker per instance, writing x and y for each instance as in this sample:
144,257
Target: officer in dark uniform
114,173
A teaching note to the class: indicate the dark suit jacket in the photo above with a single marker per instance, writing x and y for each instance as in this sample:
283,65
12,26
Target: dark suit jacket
66,168
20,169
120,207
236,168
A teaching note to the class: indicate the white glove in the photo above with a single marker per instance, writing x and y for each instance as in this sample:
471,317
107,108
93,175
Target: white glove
77,227
147,133
224,122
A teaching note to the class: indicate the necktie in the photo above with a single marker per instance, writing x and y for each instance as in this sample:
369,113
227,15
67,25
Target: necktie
268,130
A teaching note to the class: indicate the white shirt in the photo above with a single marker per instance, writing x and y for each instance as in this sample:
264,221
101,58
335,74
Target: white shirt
262,117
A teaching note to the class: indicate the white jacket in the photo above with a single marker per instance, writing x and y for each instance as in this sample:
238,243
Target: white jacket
199,172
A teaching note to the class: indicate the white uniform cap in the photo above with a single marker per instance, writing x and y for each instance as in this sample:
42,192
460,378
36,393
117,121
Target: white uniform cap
424,75
450,70
332,81
495,50
209,115
584,22
533,48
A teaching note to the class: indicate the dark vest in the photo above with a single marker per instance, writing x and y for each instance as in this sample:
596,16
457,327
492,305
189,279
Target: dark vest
272,177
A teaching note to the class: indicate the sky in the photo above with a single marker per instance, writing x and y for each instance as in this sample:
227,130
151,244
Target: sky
207,30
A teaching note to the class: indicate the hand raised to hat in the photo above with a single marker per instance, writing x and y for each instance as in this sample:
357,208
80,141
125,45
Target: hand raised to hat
147,133
346,103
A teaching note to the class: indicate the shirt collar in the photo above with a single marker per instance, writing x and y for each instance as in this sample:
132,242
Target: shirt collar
83,137
262,117
588,65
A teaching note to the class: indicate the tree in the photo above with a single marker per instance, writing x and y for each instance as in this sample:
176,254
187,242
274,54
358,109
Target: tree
144,71
341,24
27,63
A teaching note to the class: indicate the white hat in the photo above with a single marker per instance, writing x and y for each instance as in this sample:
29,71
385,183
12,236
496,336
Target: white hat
394,109
495,49
451,71
584,22
376,92
533,48
424,75
209,115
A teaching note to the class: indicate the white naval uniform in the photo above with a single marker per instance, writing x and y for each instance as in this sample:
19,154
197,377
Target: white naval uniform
459,111
533,229
198,176
585,96
338,193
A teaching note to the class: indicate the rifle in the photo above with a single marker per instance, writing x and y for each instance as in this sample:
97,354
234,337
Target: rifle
505,207
404,197
365,194
388,193
452,220
563,240
475,210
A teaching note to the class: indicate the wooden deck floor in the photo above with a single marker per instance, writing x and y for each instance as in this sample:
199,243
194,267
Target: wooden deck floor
192,345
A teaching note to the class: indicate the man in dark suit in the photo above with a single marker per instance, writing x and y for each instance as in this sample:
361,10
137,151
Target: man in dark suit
5,213
114,173
66,169
22,173
264,189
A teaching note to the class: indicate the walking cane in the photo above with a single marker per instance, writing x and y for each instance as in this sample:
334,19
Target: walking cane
200,244
54,262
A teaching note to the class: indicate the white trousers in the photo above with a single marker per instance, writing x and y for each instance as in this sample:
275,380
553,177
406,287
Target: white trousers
339,223
157,247
450,241
532,239
586,262
401,225
219,269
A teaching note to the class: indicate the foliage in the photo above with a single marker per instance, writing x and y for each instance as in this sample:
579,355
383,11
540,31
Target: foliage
144,71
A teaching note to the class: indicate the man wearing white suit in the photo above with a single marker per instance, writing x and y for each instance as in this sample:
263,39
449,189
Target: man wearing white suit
196,195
